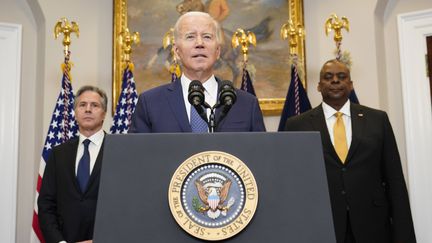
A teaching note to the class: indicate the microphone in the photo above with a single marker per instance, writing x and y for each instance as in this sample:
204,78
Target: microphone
196,93
197,99
227,98
227,94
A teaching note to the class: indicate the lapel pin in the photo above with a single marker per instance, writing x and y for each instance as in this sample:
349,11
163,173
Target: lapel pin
360,114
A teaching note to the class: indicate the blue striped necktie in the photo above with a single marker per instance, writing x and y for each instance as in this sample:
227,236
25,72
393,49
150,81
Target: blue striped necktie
83,173
198,125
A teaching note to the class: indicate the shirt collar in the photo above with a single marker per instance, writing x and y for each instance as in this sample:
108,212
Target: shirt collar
330,111
209,85
96,138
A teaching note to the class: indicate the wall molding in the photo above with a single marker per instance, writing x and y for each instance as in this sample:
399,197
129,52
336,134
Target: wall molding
10,80
413,28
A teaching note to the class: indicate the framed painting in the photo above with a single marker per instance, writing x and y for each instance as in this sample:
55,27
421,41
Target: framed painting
152,19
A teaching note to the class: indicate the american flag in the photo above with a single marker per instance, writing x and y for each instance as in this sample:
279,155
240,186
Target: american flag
62,128
126,103
246,83
296,101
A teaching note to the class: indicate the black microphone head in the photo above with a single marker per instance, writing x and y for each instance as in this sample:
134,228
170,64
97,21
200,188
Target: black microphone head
196,93
227,94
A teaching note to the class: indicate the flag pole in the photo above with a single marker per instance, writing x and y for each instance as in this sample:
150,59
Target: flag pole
337,25
244,39
168,42
63,125
296,101
125,105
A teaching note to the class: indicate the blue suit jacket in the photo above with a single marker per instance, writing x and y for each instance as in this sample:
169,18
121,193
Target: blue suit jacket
162,110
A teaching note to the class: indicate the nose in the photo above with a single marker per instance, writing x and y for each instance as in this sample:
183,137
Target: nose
88,108
199,42
335,79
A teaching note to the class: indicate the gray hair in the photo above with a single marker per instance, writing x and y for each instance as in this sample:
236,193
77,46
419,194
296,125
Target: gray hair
100,92
336,61
216,25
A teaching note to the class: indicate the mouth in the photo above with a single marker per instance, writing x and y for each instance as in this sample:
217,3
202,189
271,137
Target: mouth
199,56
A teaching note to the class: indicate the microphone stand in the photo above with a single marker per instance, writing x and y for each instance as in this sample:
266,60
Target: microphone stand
212,120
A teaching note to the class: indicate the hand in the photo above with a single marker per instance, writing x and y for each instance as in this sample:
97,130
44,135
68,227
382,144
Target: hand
86,241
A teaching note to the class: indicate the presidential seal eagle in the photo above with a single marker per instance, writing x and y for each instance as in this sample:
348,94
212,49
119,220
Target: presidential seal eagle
213,195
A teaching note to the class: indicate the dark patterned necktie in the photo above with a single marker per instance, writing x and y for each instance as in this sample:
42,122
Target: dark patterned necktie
198,125
83,173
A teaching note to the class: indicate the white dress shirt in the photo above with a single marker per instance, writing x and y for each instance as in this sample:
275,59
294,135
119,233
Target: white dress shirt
210,92
329,115
94,147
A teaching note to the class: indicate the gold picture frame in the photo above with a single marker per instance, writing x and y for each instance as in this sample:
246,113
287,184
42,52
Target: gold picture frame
270,106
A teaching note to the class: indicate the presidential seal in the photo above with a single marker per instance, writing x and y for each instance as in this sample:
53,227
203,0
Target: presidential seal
213,195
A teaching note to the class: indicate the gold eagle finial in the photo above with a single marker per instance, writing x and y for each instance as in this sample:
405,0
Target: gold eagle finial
337,24
63,26
126,40
168,41
240,37
293,33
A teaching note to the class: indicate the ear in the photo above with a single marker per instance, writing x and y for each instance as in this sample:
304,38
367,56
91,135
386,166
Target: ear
351,85
176,50
218,51
319,87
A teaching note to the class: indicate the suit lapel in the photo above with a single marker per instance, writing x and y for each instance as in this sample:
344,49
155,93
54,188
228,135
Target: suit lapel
218,110
71,164
357,126
176,101
319,124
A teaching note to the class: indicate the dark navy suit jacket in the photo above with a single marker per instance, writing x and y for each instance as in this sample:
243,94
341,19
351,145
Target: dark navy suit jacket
65,212
162,110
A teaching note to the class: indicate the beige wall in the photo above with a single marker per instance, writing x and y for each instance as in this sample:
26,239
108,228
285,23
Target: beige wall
19,12
91,53
372,42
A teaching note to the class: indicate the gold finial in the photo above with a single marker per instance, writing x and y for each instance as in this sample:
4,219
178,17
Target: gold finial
167,41
244,39
294,33
126,40
64,27
336,24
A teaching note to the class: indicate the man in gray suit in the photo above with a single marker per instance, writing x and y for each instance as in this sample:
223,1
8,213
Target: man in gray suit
367,189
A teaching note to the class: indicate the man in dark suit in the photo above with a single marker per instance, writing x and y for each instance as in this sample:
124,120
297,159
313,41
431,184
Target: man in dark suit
166,108
68,195
367,189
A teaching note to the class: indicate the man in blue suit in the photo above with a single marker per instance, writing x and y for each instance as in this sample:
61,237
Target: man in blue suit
166,108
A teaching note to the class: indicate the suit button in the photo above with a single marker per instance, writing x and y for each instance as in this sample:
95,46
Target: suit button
344,169
343,192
